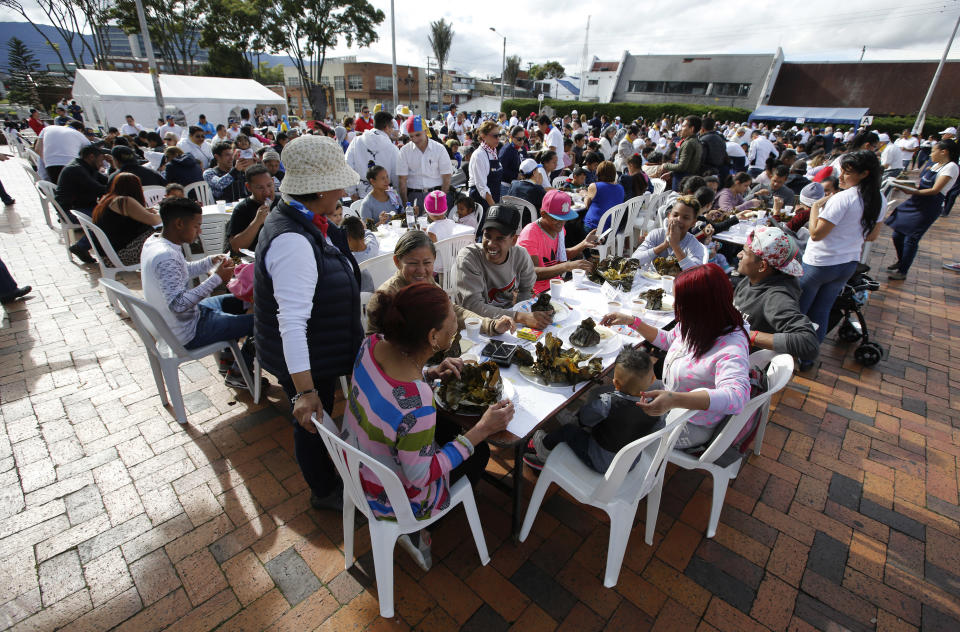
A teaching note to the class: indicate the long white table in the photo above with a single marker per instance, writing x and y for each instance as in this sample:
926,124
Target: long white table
737,234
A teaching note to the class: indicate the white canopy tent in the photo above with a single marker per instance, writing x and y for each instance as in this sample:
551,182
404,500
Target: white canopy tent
107,96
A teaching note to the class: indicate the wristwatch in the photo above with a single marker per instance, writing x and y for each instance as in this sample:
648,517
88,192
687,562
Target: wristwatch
293,400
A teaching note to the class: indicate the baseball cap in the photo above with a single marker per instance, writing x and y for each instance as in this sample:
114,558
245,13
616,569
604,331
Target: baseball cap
528,166
950,130
823,174
776,248
435,203
811,193
557,205
883,138
504,218
271,155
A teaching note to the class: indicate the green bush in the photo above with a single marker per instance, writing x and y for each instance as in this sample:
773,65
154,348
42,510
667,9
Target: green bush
628,111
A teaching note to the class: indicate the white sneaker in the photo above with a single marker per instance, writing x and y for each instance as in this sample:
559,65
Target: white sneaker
420,552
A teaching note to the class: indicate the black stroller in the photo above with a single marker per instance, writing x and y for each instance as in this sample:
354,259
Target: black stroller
851,300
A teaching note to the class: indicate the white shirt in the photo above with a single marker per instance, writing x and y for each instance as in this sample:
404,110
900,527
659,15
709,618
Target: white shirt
653,134
892,157
232,133
951,170
131,130
479,169
460,130
760,150
554,138
202,153
424,169
907,143
176,129
514,121
734,150
443,229
61,144
451,120
377,146
842,245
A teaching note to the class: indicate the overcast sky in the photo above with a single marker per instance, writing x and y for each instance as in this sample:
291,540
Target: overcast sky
823,30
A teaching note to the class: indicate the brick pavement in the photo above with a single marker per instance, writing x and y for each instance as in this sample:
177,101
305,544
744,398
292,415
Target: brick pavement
114,516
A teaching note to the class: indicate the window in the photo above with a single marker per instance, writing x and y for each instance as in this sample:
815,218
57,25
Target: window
292,80
593,82
645,86
338,82
324,81
686,87
355,82
383,83
341,105
359,104
731,89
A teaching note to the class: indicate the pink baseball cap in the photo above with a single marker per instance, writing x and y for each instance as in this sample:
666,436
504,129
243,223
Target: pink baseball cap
435,203
557,205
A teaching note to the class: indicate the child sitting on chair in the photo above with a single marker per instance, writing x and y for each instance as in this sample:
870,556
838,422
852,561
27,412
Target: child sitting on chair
608,422
466,211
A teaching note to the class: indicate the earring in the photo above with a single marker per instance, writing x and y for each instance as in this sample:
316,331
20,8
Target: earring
320,196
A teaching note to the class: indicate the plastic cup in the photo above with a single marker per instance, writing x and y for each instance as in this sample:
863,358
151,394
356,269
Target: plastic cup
473,328
639,307
614,307
579,276
556,288
222,206
396,224
666,282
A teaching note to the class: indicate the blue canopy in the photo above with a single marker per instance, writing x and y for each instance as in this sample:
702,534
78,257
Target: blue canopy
849,116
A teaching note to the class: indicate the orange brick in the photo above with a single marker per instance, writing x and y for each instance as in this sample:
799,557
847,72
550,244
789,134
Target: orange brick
641,593
533,619
308,614
201,576
355,616
674,617
788,559
324,559
686,591
452,594
773,605
679,545
728,619
259,614
499,593
207,615
867,555
247,576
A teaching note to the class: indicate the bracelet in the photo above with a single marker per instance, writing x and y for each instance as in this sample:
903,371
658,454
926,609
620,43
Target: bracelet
635,325
293,400
753,338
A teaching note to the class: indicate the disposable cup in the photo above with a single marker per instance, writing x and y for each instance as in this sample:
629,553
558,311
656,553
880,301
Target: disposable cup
556,288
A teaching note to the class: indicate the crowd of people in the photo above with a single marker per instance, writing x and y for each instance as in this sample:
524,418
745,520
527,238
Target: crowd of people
291,190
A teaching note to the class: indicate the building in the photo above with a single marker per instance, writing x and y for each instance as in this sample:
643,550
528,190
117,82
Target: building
127,52
600,81
886,87
720,80
566,88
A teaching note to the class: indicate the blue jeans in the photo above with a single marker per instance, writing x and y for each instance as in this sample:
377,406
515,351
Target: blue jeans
819,288
217,324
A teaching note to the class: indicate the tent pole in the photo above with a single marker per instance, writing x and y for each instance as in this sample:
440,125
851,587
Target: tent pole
151,60
922,116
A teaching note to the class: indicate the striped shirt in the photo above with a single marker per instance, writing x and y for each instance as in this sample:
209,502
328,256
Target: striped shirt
394,422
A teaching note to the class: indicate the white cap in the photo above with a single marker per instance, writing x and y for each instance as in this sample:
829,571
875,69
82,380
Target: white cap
950,130
574,113
884,138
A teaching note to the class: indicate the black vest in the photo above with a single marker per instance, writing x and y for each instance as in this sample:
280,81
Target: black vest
334,332
625,423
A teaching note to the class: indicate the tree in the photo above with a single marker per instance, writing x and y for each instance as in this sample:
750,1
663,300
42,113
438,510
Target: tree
269,74
71,19
226,61
548,70
24,74
511,71
235,24
441,39
174,27
306,29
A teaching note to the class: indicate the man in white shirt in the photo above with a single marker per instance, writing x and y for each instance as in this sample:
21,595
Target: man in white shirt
170,126
891,158
58,145
234,130
552,136
513,118
373,147
760,150
423,165
451,118
196,145
131,127
908,145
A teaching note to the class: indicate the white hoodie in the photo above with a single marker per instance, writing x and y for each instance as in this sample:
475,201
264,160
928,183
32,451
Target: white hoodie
373,145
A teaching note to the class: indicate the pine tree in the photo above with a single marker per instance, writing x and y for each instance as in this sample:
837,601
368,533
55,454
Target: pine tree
25,74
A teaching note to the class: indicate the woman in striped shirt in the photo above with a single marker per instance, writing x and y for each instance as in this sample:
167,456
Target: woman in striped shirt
391,411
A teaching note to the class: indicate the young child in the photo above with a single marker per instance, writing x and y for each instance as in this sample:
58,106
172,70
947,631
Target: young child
608,422
174,190
382,202
364,245
337,217
466,211
435,204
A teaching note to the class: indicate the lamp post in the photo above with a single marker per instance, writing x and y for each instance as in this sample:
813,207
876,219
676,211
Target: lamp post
503,66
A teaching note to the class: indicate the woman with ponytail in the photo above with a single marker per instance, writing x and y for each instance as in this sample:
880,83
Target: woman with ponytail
839,224
391,413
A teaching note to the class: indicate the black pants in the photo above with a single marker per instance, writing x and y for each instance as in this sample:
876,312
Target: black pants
315,464
474,466
4,196
53,173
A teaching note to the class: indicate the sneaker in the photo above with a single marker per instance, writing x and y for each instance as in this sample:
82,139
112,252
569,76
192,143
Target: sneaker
9,202
331,502
894,266
418,546
536,454
234,379
226,361
955,267
895,275
81,254
20,292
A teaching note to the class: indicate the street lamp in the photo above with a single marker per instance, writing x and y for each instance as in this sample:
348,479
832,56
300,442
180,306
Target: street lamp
503,66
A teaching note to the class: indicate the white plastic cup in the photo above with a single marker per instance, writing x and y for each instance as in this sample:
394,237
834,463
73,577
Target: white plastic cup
614,307
579,277
396,224
473,328
222,206
639,307
666,282
556,288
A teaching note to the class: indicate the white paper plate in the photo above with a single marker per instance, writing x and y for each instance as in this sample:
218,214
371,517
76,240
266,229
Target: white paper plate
609,340
533,378
560,311
666,303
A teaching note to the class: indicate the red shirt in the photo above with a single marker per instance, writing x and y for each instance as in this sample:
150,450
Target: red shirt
35,124
360,125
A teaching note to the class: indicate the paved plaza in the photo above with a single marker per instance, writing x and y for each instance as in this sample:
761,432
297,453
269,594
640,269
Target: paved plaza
112,515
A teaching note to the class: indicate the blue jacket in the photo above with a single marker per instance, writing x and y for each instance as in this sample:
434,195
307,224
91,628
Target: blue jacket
510,159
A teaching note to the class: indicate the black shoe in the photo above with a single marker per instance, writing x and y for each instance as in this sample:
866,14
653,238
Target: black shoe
331,502
894,266
9,202
234,379
14,295
81,254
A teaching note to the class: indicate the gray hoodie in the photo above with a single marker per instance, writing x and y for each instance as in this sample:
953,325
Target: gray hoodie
770,306
492,290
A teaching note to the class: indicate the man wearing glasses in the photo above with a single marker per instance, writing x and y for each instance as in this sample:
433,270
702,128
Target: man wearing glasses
364,122
512,154
195,145
424,165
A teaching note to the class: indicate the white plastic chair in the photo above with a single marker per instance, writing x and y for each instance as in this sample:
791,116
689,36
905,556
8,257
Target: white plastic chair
529,212
164,351
613,242
618,491
658,185
447,250
380,267
558,182
152,194
33,157
719,459
47,189
639,216
213,236
199,191
98,238
384,533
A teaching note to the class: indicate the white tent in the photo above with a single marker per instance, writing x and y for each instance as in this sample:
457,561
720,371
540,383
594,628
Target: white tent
107,96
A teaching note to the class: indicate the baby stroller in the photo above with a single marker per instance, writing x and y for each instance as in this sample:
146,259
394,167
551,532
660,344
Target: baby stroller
851,300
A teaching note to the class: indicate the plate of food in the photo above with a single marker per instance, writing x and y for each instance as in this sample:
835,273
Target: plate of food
478,386
618,271
658,300
556,367
589,337
650,274
458,347
667,266
544,303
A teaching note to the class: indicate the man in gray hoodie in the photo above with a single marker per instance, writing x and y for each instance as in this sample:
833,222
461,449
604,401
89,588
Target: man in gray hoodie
767,296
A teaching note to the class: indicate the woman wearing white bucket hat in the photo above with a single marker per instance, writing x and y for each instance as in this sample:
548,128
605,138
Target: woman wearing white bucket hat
307,299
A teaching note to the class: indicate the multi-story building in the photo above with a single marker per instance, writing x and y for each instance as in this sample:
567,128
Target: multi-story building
126,52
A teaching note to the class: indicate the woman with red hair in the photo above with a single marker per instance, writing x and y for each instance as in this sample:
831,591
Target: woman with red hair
123,215
391,411
707,350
